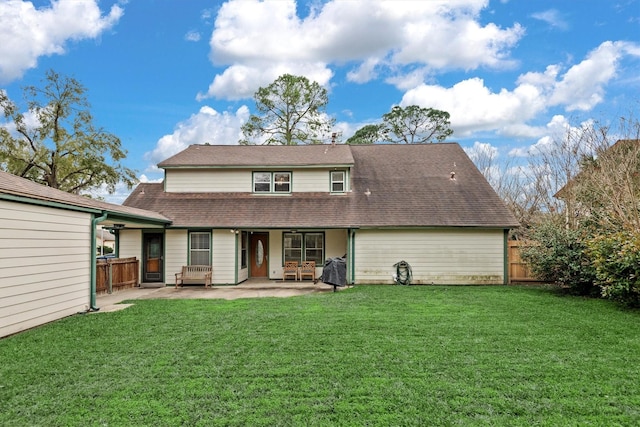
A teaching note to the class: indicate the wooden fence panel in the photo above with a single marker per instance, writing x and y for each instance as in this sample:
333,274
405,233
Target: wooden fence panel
518,269
117,273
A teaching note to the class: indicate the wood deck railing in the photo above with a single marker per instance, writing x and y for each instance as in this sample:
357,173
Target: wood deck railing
117,273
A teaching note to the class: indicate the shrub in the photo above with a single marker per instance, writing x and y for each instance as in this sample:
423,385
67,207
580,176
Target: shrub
557,254
616,262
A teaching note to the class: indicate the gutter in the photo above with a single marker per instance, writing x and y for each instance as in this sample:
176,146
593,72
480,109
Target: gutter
94,225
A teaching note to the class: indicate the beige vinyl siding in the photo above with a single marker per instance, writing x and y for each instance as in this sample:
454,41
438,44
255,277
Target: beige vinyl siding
275,255
435,256
207,180
130,244
335,243
241,180
224,263
311,181
45,265
176,252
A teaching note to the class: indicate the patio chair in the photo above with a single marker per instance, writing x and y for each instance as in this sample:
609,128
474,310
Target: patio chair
290,269
308,268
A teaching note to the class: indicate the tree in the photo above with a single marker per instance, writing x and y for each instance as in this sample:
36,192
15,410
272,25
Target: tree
603,191
56,143
368,134
416,125
291,112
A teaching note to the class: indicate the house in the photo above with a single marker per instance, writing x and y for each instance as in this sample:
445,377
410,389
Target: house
606,188
47,250
245,210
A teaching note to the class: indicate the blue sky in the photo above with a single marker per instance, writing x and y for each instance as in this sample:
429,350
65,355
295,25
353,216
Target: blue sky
163,74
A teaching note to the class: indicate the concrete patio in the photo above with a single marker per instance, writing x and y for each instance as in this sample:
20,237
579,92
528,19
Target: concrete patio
253,288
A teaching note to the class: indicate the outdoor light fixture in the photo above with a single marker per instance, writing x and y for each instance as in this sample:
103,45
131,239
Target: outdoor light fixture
118,226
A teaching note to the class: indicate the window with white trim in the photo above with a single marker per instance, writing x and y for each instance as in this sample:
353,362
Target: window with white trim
338,182
199,248
303,247
272,182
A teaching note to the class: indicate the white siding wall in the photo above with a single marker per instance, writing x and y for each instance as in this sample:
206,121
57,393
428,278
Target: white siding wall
45,265
275,255
130,244
335,243
235,180
207,180
224,262
176,252
435,256
310,180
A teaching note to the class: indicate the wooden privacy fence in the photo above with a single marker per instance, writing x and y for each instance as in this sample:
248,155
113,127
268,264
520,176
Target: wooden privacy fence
518,269
117,273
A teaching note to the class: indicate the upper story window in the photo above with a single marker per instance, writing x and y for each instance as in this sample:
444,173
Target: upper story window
338,182
272,182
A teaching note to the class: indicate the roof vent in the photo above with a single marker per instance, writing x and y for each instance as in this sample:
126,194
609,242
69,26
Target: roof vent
453,176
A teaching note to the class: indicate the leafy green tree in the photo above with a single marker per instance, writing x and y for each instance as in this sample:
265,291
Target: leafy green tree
368,134
291,111
416,125
56,143
410,125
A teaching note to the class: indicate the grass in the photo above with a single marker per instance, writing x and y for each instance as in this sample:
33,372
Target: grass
378,355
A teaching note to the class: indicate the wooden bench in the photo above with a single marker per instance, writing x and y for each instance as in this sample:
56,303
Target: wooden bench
194,272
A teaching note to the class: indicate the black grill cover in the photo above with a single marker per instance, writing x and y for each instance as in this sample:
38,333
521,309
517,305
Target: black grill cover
334,271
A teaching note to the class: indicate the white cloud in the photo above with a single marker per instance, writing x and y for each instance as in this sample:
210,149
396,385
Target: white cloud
192,36
475,107
582,86
553,18
261,40
241,81
28,33
206,126
558,129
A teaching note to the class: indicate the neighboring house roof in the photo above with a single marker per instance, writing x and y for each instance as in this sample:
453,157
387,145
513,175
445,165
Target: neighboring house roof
392,186
617,149
249,156
13,187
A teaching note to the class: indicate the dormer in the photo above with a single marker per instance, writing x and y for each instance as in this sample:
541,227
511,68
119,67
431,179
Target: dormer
259,170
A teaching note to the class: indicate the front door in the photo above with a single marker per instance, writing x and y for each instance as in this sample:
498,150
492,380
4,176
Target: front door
152,257
259,254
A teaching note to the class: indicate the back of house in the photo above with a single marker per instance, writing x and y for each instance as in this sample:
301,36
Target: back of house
246,210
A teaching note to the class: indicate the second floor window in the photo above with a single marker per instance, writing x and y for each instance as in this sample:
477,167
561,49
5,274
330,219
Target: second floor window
338,182
272,182
282,182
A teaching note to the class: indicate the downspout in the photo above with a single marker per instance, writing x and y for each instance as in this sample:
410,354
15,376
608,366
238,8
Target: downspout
94,224
352,255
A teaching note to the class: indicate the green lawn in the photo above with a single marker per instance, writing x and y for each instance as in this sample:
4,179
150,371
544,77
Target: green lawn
371,355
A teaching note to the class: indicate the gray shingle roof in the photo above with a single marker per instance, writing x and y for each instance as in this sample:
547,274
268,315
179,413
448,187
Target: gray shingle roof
260,155
19,187
392,186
